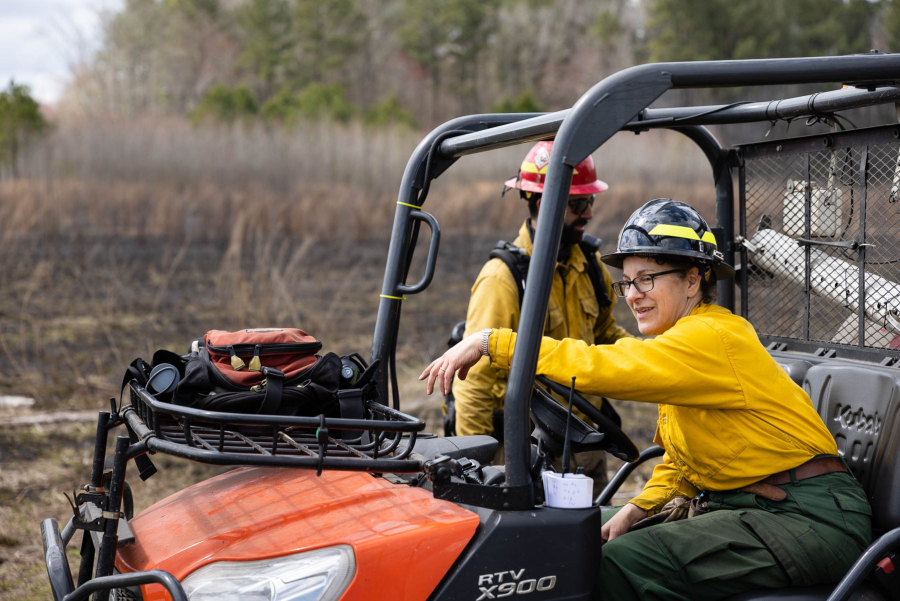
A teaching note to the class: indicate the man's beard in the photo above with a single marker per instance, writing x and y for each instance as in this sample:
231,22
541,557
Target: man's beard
570,235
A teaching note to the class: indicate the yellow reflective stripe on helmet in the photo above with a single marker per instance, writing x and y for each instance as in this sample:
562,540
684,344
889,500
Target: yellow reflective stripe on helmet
708,237
676,231
532,168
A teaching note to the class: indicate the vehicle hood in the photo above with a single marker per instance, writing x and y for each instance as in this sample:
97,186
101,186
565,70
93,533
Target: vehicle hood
404,539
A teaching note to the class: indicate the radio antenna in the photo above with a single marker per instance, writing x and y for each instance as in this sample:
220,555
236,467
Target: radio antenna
566,453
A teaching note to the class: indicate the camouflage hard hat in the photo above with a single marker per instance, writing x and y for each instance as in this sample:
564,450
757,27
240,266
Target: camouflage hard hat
668,227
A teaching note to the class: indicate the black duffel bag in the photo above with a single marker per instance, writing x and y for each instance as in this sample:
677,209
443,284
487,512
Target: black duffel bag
272,371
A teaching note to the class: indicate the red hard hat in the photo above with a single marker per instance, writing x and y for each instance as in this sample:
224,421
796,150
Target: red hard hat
533,173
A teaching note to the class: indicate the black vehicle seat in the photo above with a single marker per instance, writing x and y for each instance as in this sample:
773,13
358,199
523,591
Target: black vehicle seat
480,448
795,368
859,405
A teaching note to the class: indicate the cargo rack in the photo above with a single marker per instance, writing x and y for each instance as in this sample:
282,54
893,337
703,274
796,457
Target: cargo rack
335,443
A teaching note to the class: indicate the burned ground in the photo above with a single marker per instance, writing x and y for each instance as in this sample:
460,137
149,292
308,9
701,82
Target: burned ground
68,326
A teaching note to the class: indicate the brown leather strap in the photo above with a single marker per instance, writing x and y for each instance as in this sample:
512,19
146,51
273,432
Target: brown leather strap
812,468
767,491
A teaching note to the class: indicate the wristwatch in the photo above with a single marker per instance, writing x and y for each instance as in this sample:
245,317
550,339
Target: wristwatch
485,337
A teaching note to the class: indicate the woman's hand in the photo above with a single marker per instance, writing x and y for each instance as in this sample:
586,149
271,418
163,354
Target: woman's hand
461,357
622,522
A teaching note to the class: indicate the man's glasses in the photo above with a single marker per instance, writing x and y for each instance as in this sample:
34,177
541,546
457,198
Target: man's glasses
642,283
580,205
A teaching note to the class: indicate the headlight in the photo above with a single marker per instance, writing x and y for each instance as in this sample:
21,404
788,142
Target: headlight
320,575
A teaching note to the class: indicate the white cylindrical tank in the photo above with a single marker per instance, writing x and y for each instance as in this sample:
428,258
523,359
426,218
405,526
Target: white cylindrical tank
830,277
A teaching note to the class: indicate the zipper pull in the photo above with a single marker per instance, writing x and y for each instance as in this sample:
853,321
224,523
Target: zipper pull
237,364
255,363
258,387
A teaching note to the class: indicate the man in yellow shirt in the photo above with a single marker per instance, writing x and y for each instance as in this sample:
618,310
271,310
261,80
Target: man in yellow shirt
576,310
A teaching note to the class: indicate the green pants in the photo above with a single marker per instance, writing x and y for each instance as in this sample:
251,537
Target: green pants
745,542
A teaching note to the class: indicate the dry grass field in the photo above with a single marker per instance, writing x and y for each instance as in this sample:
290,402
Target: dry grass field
120,239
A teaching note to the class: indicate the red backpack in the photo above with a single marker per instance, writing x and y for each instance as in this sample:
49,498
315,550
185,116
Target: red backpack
240,356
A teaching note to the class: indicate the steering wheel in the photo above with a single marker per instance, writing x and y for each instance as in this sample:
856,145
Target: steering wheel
550,418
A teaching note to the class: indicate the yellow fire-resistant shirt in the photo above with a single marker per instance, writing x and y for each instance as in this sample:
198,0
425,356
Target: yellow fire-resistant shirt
729,415
573,313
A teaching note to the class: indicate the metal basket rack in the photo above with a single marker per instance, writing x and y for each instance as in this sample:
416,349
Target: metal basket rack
318,443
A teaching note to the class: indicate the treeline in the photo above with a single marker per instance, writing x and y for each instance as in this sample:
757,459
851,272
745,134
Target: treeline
418,62
21,122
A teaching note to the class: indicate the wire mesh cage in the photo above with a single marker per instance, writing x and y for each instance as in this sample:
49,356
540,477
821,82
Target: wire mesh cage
820,235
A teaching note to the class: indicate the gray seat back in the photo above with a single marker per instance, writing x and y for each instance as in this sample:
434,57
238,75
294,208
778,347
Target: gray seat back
859,405
796,369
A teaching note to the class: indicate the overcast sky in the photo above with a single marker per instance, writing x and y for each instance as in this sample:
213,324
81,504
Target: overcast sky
40,39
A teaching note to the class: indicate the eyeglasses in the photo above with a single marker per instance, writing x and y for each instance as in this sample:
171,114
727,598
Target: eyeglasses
642,283
580,205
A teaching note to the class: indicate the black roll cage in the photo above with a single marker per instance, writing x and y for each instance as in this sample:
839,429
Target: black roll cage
617,103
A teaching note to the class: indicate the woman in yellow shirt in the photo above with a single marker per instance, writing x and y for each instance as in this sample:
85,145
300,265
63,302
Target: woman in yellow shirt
783,510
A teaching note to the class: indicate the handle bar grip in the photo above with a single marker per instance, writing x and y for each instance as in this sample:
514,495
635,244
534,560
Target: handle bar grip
431,259
61,583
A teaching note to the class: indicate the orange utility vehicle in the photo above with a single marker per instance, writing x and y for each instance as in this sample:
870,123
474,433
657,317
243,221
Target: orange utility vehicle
361,504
